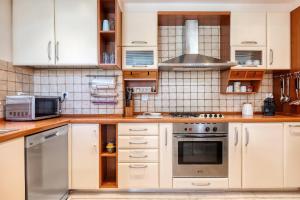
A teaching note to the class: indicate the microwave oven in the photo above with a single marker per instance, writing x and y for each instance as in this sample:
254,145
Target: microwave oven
30,108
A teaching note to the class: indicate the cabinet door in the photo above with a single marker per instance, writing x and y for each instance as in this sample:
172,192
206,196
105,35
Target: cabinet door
138,175
76,32
12,169
165,133
235,155
85,158
291,155
279,42
248,29
33,35
262,165
140,29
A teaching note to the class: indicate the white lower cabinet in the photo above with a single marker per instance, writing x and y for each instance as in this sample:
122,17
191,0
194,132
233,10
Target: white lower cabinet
138,175
12,170
292,155
166,155
262,159
235,155
200,183
138,159
256,155
85,156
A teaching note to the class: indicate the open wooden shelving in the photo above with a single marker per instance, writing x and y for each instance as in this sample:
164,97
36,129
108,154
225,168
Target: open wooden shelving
109,41
246,77
108,161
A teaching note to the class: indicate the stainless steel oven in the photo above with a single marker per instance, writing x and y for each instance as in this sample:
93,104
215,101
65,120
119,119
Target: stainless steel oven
200,150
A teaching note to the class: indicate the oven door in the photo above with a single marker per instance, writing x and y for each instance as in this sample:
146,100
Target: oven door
46,107
200,156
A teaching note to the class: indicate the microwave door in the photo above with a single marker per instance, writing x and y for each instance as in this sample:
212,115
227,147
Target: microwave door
46,107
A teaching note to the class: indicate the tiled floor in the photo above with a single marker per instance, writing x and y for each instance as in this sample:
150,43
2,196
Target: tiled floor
190,196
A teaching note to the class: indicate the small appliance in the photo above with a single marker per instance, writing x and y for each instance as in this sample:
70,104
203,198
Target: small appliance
197,115
269,107
247,110
30,108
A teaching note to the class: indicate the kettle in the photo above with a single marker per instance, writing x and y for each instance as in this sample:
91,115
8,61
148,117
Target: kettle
247,110
269,107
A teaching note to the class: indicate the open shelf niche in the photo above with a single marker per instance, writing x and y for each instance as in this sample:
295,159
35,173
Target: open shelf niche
110,40
108,161
246,77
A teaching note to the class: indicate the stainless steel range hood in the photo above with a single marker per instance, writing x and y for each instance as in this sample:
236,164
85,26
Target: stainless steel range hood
192,60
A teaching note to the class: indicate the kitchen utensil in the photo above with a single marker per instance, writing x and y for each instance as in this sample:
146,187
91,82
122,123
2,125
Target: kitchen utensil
105,25
297,85
287,96
247,110
282,96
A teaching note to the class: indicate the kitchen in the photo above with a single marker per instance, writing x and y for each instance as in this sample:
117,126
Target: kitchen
110,99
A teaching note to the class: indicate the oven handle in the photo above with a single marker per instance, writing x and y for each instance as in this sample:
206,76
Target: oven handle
202,137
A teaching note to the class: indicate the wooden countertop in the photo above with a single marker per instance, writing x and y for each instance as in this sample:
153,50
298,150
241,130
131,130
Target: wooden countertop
28,128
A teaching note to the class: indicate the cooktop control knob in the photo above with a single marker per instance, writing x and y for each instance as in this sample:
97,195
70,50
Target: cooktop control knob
215,129
207,129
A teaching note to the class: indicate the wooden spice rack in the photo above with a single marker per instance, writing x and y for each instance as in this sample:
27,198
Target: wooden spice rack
108,161
110,41
247,77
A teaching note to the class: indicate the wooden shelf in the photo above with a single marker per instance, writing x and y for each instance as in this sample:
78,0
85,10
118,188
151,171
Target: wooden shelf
109,184
108,36
107,154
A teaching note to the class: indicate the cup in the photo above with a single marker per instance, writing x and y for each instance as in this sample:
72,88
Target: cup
237,86
105,25
243,88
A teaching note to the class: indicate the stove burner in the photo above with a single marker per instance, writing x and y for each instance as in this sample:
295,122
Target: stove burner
196,115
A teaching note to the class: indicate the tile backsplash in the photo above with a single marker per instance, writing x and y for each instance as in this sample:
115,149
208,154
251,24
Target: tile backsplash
76,83
13,80
198,92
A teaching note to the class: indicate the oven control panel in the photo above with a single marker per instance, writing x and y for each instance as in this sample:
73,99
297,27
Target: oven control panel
200,128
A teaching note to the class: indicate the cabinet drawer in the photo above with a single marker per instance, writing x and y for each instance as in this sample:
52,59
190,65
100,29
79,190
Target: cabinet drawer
138,142
138,175
199,183
138,129
149,155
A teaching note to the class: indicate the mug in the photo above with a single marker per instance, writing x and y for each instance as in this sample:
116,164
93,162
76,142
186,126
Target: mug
105,25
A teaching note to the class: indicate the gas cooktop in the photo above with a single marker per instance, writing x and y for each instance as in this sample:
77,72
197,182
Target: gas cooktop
197,115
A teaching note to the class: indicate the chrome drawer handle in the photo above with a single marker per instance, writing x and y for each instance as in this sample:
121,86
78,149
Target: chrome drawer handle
249,42
138,142
201,184
137,130
137,166
139,66
139,42
166,137
131,156
49,50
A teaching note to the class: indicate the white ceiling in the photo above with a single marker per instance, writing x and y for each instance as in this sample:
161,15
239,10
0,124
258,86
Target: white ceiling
212,1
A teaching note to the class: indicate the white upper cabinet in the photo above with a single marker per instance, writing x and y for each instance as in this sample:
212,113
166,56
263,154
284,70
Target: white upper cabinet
248,29
60,32
278,41
291,155
140,29
33,32
76,32
262,158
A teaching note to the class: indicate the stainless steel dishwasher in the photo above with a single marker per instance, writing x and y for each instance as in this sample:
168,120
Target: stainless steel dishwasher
47,165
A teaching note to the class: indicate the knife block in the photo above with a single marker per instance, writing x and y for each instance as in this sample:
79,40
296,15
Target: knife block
129,110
